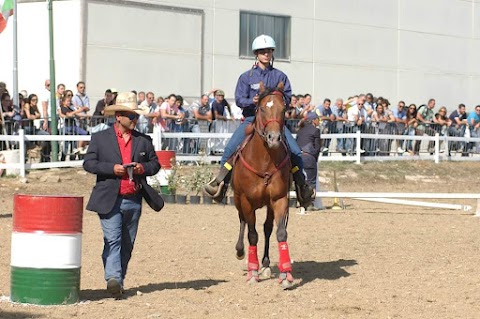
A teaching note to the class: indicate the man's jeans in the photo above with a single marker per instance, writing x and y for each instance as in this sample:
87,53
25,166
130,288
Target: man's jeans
239,135
119,231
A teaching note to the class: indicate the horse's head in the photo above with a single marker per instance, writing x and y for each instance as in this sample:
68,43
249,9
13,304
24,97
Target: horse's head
270,116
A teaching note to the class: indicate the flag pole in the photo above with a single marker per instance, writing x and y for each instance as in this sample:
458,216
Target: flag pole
53,97
15,57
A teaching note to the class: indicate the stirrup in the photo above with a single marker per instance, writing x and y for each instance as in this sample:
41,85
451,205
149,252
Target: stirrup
219,195
308,200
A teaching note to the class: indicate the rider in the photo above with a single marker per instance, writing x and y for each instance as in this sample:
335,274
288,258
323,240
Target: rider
246,97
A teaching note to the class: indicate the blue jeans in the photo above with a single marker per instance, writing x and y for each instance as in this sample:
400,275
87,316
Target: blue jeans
239,135
119,231
75,130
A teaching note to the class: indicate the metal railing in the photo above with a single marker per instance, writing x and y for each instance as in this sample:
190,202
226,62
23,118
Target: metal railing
353,143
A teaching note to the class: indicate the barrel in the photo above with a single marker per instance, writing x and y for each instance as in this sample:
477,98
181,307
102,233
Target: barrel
166,159
46,249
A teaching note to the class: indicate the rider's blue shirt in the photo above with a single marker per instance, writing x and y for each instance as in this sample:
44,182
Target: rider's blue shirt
248,86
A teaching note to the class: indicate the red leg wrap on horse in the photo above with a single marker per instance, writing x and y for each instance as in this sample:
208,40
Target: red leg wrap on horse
284,264
252,258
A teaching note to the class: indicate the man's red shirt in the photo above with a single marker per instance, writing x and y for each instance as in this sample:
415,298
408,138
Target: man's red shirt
127,186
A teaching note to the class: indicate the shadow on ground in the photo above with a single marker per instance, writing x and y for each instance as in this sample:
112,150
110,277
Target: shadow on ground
98,294
5,314
309,271
6,215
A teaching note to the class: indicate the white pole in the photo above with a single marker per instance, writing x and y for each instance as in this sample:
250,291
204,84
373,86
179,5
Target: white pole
437,148
21,143
395,195
359,147
416,203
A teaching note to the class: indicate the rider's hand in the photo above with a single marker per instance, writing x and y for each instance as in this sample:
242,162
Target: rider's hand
255,99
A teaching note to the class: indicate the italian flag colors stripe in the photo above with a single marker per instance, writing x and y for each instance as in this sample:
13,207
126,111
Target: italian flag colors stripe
37,250
6,10
46,249
45,286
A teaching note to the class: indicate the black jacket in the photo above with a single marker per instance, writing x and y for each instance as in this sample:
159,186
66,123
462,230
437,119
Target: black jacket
308,139
103,153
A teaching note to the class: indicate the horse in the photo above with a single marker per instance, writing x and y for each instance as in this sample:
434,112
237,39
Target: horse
261,177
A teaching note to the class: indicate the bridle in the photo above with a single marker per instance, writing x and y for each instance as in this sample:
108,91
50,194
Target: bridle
261,126
260,130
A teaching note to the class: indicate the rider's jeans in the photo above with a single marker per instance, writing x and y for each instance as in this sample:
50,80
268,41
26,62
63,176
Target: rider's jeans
239,135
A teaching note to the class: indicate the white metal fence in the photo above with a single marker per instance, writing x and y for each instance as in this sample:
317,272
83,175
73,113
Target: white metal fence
441,150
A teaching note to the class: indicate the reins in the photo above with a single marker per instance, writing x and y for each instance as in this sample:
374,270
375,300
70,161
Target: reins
261,132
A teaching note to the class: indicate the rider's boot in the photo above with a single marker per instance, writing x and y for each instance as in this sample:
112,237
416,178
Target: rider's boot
217,187
304,191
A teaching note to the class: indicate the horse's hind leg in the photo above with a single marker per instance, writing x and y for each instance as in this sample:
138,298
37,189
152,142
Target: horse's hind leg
284,264
266,272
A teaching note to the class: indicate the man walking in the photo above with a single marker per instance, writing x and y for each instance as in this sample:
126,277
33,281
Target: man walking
121,158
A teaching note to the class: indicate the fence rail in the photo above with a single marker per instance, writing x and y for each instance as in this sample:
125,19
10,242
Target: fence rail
440,150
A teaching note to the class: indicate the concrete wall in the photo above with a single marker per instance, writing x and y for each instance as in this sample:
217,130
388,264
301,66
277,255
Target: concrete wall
143,48
400,49
33,46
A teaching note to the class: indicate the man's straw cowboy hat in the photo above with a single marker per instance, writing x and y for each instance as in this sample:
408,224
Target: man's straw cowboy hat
126,102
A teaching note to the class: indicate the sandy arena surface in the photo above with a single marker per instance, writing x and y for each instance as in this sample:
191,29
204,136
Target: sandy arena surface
370,261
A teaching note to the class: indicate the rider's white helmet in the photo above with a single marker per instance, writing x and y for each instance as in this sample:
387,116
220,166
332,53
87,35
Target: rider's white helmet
263,42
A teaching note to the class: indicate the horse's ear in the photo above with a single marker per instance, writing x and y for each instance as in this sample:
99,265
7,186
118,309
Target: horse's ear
280,86
262,87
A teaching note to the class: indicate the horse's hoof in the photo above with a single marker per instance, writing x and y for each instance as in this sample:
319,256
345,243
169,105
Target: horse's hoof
286,280
265,273
240,257
286,284
252,277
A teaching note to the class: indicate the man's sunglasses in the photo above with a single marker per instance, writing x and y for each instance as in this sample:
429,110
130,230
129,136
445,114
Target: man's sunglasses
131,116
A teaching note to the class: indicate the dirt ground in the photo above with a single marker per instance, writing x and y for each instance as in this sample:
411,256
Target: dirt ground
370,261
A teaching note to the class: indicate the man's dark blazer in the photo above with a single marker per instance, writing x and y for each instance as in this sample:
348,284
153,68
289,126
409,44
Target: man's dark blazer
102,155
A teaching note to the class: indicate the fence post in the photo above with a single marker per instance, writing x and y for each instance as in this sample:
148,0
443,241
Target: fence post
359,147
21,145
436,155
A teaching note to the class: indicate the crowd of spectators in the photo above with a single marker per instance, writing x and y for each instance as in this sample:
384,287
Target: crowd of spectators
211,112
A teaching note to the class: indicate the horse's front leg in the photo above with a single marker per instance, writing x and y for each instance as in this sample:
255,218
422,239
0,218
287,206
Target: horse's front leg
253,264
241,235
284,264
266,272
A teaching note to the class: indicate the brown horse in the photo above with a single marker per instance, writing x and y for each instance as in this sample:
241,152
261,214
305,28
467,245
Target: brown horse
261,177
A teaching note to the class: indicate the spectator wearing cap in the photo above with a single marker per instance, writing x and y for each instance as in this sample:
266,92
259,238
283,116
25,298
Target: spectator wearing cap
115,93
220,107
221,113
308,139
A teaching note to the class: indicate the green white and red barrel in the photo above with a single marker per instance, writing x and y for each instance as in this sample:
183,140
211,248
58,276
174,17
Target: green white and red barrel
46,249
167,160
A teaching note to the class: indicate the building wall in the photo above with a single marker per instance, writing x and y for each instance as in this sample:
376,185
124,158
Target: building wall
33,46
400,49
144,48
